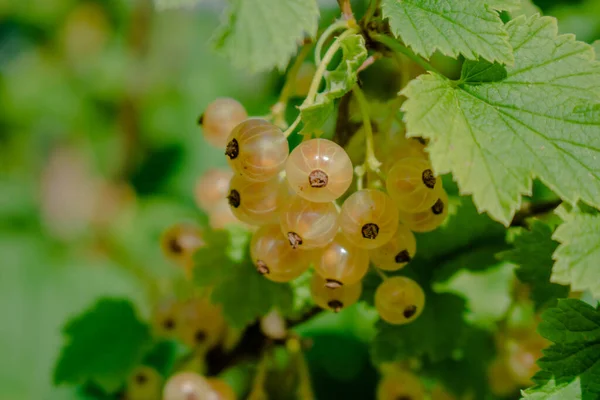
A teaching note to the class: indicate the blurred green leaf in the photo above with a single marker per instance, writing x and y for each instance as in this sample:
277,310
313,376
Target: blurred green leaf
481,71
532,254
262,34
104,344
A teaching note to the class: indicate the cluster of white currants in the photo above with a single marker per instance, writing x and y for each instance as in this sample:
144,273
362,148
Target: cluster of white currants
291,198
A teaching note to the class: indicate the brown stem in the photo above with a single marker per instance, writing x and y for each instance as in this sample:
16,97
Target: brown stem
529,210
346,8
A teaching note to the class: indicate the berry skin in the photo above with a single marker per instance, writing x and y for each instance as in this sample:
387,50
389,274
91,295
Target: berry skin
522,356
412,185
399,300
341,263
221,216
187,386
273,256
334,299
211,188
257,150
273,325
427,220
401,148
308,225
254,203
180,242
369,218
319,170
144,384
221,389
219,119
400,385
200,323
164,317
397,252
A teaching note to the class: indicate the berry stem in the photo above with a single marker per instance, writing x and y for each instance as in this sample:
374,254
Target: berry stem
396,46
373,6
346,8
370,160
343,24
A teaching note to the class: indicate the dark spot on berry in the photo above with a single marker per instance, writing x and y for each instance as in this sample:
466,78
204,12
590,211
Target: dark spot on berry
333,284
174,246
402,257
409,311
234,198
169,324
200,119
428,178
141,378
370,231
199,336
233,149
335,305
295,239
438,207
261,267
420,140
318,178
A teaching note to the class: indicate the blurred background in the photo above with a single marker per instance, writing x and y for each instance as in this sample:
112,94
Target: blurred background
100,152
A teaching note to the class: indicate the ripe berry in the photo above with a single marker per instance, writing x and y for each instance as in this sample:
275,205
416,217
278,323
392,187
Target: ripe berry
369,218
273,256
219,119
187,386
222,216
164,317
522,356
334,299
144,384
412,185
254,203
319,170
211,188
180,242
200,323
399,149
341,263
399,300
429,219
400,385
257,150
397,252
221,389
273,326
308,225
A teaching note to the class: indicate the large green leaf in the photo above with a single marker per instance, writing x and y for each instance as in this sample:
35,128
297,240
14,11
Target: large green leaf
263,34
542,120
571,365
471,28
104,345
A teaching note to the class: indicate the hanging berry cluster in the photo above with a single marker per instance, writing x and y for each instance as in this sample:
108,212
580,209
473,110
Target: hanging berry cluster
291,198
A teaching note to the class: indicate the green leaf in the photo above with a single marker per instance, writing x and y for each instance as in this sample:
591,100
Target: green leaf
596,46
262,34
246,295
526,8
104,345
162,5
507,5
314,113
474,72
452,27
532,254
578,253
436,333
542,120
571,365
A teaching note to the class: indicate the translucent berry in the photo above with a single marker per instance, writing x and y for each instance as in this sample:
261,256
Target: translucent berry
219,119
180,242
257,150
200,323
397,252
399,300
252,202
221,389
273,256
212,188
144,384
164,317
334,299
273,326
413,185
400,385
522,356
429,219
341,263
308,225
319,170
187,386
369,218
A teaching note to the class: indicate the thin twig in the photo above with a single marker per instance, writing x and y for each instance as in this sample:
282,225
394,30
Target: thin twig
530,210
396,46
346,8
